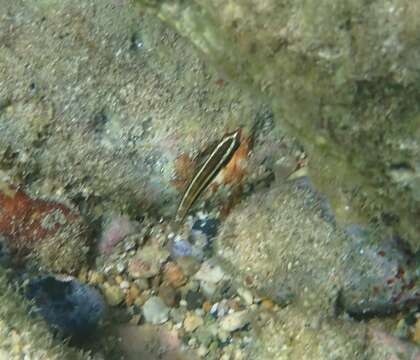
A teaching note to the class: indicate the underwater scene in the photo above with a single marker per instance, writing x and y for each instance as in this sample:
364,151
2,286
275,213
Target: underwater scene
209,179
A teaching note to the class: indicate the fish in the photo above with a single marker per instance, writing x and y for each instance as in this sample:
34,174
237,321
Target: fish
216,161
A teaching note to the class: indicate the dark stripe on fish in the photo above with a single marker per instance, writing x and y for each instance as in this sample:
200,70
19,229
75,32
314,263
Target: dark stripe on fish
218,158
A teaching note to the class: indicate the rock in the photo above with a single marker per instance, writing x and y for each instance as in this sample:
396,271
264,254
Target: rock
416,334
356,271
96,278
380,278
169,295
132,294
155,311
192,322
386,174
188,264
267,304
194,300
173,275
207,226
116,229
234,321
69,306
147,262
383,345
209,272
47,232
181,247
246,295
113,294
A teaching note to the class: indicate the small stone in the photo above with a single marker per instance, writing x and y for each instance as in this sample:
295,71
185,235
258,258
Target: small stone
132,294
210,273
140,300
192,322
239,355
202,351
120,267
83,275
206,334
142,284
207,306
147,262
188,264
214,308
169,295
223,335
113,294
177,315
416,335
267,304
96,278
124,285
174,275
234,321
194,300
209,289
119,279
155,311
246,295
138,268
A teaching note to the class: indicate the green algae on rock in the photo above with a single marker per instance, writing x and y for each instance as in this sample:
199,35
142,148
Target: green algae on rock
343,78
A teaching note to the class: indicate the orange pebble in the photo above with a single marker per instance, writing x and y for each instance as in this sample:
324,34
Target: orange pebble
267,304
174,275
207,306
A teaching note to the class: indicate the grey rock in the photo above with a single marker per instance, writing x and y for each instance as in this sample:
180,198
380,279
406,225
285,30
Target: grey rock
155,311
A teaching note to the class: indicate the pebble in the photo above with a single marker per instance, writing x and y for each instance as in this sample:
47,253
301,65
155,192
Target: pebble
210,273
188,264
234,321
206,334
209,289
207,226
194,300
174,275
155,311
416,336
96,278
202,351
177,315
132,294
147,262
124,285
246,295
192,322
207,306
181,247
113,294
267,304
169,295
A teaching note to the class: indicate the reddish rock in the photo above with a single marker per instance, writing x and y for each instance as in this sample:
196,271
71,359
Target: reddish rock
174,275
47,230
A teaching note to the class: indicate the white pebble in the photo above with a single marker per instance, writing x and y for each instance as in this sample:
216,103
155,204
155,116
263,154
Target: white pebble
234,321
